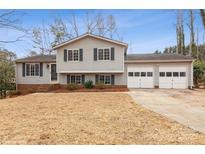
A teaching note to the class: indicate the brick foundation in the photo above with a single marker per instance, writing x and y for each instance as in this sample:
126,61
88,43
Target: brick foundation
37,87
51,87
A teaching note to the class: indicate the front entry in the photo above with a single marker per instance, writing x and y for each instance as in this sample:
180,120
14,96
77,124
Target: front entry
54,76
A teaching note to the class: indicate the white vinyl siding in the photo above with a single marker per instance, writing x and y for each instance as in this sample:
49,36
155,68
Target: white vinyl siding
88,65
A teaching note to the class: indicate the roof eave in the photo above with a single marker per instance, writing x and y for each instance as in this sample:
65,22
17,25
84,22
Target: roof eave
99,37
164,61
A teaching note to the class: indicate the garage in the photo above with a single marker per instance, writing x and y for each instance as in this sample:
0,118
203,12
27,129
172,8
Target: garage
169,71
173,76
140,76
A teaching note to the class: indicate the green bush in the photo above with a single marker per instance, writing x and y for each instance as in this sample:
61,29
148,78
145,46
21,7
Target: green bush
100,86
72,86
88,84
199,69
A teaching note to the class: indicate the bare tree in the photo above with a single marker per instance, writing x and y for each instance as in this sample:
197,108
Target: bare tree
180,33
202,12
74,26
111,26
100,25
32,53
191,27
90,23
11,20
59,31
41,39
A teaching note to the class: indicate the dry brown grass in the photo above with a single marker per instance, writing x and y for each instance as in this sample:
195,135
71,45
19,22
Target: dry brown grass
87,118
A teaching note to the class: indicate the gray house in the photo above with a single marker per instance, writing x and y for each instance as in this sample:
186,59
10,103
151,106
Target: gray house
100,59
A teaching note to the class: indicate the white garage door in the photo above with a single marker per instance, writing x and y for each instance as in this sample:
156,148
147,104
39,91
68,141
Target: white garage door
140,76
173,77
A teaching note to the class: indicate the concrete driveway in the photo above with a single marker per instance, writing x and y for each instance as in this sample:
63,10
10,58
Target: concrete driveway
184,106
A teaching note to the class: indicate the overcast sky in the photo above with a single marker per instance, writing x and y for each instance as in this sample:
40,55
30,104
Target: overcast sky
144,30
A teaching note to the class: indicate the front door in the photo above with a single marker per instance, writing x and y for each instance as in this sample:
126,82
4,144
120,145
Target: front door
53,72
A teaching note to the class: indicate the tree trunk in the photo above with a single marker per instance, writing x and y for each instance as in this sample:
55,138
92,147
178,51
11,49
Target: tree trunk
191,24
202,12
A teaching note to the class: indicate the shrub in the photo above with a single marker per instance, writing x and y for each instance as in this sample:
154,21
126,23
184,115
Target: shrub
14,93
100,86
199,68
88,84
72,86
52,87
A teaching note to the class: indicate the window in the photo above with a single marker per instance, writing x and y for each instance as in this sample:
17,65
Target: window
150,74
143,74
100,54
75,79
75,55
130,73
105,79
175,74
32,69
162,74
168,74
137,74
182,74
70,55
106,54
101,78
72,79
78,79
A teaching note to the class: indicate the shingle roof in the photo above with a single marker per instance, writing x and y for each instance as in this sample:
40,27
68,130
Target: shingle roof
156,57
129,57
38,58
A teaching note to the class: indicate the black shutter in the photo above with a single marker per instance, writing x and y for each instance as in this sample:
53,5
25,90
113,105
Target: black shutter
81,54
112,53
68,79
112,79
65,55
41,69
23,69
95,54
96,79
83,79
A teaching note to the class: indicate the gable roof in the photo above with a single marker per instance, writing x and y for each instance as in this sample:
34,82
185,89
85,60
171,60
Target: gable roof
38,58
156,57
91,35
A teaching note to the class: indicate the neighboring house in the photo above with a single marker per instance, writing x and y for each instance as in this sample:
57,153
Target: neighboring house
100,59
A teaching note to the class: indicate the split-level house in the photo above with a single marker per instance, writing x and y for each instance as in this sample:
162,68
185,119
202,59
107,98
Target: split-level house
103,60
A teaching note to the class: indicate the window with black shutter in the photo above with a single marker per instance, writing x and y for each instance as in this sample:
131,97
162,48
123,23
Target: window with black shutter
112,53
65,55
95,54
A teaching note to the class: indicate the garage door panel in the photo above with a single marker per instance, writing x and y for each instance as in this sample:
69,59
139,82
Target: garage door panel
140,81
175,81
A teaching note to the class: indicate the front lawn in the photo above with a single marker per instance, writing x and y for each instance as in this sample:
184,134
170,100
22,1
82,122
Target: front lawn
87,118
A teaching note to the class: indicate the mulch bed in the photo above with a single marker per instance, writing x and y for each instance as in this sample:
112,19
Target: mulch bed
63,90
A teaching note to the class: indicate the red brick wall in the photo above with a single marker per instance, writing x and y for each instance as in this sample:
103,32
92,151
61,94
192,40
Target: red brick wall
48,87
36,87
